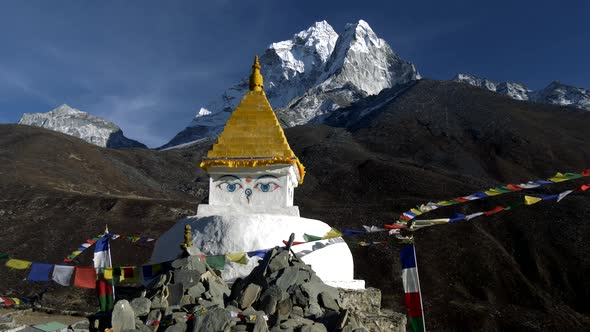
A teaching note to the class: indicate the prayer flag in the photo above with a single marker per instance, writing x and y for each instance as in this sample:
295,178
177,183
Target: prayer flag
456,217
18,264
514,187
585,187
150,271
411,284
586,172
473,215
530,200
350,232
332,233
107,273
494,210
7,302
102,261
85,277
62,274
529,185
309,238
542,182
461,199
416,211
260,253
216,262
40,272
548,197
559,177
493,192
563,194
395,226
4,256
373,229
240,257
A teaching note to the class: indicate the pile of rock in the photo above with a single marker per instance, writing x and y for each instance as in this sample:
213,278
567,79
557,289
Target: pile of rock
281,294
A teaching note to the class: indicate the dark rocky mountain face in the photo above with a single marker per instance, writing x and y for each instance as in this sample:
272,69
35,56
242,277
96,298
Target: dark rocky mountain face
518,270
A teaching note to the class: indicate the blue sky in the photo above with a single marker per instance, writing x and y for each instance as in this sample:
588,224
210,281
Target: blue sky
148,66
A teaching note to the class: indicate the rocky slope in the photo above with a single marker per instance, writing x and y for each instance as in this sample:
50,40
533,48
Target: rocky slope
555,93
310,75
74,122
519,270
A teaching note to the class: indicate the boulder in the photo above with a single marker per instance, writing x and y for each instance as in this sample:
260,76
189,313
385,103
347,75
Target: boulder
123,317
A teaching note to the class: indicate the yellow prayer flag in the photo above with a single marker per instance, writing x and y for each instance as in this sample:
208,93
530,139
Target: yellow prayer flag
108,273
492,192
416,211
76,253
332,234
558,177
18,264
239,257
16,300
530,200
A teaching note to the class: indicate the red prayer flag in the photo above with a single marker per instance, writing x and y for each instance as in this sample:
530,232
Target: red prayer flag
494,210
7,302
461,199
91,241
294,243
404,217
395,226
68,260
585,187
413,304
586,172
514,187
85,277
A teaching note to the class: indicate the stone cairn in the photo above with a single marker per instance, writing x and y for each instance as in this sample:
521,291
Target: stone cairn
281,294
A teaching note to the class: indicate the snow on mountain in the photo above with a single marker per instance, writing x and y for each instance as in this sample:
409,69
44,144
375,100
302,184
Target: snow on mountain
555,93
312,74
74,122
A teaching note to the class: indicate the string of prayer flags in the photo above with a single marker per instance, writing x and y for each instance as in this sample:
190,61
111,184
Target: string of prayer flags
411,282
40,272
558,177
18,264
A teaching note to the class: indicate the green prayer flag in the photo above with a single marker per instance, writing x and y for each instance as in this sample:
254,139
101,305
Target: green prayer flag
216,262
309,238
416,324
3,256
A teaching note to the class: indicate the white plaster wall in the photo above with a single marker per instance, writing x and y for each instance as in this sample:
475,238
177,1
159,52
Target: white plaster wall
232,233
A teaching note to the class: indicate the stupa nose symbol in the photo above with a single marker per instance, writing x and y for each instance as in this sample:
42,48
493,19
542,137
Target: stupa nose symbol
248,193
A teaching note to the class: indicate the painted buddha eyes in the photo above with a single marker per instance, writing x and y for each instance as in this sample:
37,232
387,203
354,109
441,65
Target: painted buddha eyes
266,187
229,186
232,183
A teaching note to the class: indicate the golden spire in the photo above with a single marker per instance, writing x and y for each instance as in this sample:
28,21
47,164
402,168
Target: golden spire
256,81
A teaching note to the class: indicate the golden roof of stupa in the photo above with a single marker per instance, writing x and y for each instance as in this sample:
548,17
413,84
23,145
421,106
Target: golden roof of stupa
252,136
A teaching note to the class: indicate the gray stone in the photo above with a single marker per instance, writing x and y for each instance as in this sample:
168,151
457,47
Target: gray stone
284,308
328,302
123,317
179,316
141,327
186,277
289,324
270,298
280,261
313,310
260,324
316,327
141,306
197,290
297,311
303,276
175,292
239,328
178,327
187,300
300,298
289,277
196,264
216,319
313,289
207,304
170,310
193,251
180,263
250,295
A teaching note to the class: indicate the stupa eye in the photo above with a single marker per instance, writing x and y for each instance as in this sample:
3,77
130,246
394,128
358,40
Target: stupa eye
229,186
266,187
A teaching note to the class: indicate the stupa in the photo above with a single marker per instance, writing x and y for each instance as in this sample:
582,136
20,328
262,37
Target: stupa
253,174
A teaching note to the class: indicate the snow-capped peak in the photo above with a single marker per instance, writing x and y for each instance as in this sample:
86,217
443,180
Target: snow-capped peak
310,75
73,122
